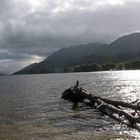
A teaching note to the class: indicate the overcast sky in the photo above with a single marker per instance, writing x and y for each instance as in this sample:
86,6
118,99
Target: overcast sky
30,30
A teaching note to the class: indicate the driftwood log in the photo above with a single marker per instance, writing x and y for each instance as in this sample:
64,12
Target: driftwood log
126,113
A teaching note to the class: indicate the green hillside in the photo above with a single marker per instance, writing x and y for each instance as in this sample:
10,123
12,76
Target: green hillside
124,49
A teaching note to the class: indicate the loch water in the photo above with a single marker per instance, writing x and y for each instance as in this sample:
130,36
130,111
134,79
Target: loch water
31,107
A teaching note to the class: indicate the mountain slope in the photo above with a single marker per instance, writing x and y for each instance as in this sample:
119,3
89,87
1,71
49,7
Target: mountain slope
26,69
128,43
62,58
125,48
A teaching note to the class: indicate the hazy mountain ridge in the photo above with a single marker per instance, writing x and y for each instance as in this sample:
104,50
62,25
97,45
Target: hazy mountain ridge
26,69
125,48
128,43
63,58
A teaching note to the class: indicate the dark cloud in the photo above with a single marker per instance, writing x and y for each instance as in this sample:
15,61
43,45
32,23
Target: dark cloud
40,27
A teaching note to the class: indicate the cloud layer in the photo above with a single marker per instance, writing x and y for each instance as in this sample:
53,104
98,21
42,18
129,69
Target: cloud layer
31,30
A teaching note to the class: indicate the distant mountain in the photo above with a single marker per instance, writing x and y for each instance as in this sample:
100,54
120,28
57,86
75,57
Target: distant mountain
62,58
126,44
26,69
125,48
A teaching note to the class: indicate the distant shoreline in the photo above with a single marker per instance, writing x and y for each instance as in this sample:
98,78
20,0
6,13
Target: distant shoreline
72,72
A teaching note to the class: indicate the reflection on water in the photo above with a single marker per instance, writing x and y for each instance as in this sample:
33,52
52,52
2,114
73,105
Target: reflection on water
31,107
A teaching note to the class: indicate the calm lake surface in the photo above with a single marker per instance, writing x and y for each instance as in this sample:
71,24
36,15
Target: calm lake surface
31,107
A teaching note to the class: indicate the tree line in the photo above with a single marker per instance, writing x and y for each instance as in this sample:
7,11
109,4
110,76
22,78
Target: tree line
131,65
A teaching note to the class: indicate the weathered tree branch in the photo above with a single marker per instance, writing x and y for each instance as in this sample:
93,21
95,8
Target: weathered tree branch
105,105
